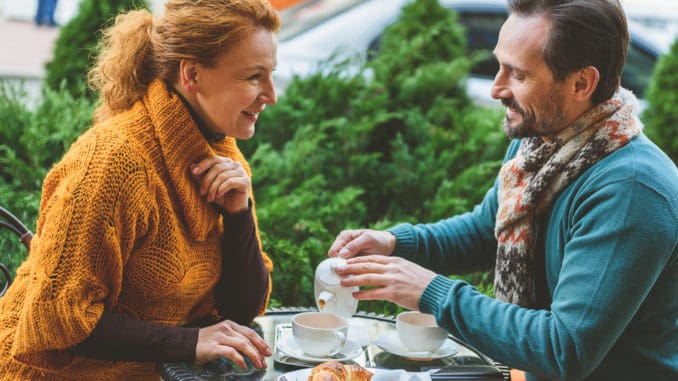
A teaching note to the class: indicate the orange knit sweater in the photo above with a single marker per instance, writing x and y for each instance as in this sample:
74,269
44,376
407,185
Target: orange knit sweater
122,227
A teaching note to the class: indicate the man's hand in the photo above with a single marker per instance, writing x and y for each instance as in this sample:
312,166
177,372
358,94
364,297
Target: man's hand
223,182
390,278
231,340
350,243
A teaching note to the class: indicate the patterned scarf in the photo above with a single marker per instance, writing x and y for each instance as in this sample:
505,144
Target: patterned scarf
529,182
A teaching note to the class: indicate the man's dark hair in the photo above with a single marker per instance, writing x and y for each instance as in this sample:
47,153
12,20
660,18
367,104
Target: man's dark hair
582,33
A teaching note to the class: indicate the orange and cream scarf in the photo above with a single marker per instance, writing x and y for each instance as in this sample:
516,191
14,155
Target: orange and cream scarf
530,181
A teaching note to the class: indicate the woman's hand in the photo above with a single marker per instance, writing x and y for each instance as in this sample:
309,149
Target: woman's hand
350,243
223,181
231,340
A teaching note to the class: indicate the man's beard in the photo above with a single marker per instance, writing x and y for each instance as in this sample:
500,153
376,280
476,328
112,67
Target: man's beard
553,120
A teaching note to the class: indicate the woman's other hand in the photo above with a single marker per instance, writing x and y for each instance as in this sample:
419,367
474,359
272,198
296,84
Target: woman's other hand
224,182
231,340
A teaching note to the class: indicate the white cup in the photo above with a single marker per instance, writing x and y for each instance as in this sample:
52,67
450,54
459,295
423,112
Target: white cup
319,334
419,332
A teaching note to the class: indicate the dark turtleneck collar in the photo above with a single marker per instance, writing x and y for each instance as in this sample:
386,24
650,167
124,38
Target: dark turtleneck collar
209,135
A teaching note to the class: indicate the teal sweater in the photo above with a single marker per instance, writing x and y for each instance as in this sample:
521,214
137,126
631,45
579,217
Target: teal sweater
609,255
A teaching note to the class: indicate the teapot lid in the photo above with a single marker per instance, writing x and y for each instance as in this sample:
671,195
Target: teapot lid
325,271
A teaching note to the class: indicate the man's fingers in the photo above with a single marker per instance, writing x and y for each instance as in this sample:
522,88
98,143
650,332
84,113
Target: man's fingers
377,293
375,259
340,243
372,279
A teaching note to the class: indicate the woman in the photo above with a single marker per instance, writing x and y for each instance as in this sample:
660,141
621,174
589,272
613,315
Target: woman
146,228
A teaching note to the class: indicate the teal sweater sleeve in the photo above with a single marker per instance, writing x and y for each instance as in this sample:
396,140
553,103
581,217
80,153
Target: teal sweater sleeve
611,268
456,245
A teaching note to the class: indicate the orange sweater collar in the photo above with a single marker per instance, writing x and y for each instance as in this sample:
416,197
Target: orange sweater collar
182,144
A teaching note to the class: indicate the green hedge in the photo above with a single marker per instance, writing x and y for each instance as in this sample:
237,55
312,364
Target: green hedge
661,116
31,140
365,144
75,46
339,151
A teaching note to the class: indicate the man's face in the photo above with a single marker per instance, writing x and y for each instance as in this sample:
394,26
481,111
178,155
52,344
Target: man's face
535,103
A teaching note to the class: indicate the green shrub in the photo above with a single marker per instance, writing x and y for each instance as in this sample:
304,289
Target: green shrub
77,40
342,151
30,142
661,116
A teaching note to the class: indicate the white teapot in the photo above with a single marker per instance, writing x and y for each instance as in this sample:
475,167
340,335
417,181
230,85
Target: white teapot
330,296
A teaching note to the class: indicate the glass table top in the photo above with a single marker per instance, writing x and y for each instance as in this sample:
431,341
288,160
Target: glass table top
365,330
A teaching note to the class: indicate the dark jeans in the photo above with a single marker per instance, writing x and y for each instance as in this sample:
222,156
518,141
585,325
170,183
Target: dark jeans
45,14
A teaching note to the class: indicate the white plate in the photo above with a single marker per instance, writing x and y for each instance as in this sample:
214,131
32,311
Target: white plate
391,343
289,346
378,375
301,375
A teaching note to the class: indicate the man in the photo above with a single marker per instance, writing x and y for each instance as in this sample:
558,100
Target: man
581,225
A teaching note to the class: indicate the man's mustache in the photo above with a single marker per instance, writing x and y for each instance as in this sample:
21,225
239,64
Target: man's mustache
511,103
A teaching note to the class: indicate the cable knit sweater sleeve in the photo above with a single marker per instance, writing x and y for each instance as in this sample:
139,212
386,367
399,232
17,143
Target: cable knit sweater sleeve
90,218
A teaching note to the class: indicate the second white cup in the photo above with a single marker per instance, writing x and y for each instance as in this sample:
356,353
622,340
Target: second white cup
419,332
319,334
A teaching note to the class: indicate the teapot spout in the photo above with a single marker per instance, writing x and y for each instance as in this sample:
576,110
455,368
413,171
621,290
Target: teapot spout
324,298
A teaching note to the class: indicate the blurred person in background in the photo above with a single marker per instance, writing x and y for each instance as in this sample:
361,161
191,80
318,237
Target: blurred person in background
147,233
45,13
581,225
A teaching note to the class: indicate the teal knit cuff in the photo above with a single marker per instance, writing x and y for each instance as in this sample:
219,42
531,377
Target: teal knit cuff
434,294
406,240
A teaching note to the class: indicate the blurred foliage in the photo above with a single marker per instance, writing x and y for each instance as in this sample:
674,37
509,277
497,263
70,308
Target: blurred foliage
359,144
75,47
370,144
661,115
31,140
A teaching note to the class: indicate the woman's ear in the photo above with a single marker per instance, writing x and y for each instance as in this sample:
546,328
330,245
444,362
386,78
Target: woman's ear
188,75
585,83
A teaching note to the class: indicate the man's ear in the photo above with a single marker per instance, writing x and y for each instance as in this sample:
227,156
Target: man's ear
188,75
585,83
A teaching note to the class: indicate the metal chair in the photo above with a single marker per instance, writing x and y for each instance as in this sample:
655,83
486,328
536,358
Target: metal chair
12,223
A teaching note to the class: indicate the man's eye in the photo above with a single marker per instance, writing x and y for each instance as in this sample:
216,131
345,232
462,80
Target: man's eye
254,78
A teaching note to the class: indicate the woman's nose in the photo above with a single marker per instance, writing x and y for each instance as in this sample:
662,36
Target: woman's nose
268,95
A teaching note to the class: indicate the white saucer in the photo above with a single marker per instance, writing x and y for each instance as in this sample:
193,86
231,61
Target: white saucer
391,343
289,346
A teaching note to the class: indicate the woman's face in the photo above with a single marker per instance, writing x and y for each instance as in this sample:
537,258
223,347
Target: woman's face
230,95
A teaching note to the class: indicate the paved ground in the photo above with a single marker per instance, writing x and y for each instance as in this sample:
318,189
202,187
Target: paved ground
24,48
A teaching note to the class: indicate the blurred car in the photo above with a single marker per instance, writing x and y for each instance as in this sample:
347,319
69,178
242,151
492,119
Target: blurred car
316,30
